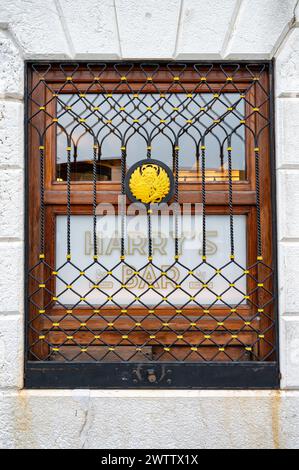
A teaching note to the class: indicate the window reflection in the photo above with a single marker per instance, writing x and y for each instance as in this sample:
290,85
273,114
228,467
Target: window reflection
110,120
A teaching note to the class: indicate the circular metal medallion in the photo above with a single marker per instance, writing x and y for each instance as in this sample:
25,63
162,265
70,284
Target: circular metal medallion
149,181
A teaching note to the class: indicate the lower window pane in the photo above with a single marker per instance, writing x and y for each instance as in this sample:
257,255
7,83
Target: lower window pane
188,282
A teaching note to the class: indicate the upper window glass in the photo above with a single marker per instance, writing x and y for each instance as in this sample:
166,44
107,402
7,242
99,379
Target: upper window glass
142,118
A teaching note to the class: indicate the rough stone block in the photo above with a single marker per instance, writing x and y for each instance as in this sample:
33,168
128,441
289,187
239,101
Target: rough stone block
11,134
204,26
287,65
288,278
289,351
258,27
288,204
147,30
37,27
11,70
11,207
11,351
92,34
149,419
11,279
287,132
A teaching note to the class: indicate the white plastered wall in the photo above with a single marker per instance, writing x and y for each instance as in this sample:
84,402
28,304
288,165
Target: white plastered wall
147,29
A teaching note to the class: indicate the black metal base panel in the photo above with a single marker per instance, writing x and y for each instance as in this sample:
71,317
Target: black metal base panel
248,375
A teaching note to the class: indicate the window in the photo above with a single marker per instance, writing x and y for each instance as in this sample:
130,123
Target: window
150,249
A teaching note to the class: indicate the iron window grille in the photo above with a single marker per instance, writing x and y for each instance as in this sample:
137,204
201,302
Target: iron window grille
212,125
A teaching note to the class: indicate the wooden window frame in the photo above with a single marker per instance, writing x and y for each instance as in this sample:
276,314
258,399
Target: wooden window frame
244,201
